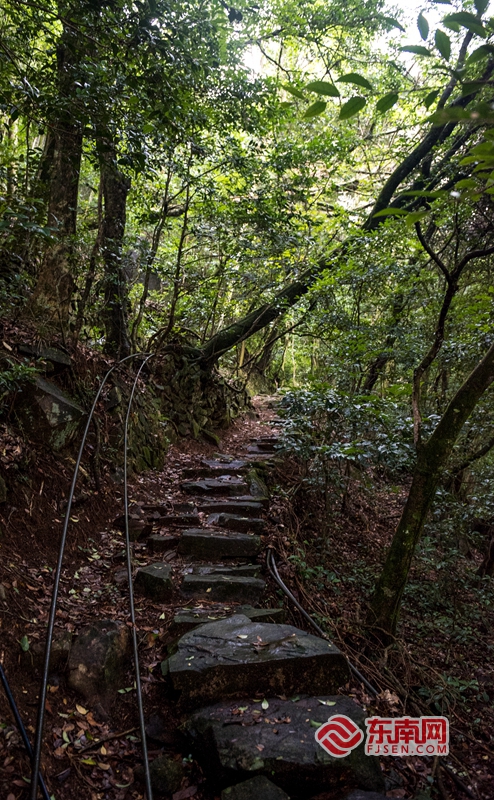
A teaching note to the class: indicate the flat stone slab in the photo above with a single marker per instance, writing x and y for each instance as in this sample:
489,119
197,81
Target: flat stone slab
359,794
236,657
161,543
189,618
234,522
207,544
228,467
234,741
155,581
216,486
245,508
258,788
242,589
251,570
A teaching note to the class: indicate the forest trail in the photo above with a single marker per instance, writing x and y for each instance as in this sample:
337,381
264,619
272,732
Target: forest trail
232,694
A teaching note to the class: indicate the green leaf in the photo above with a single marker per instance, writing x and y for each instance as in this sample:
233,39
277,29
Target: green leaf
468,21
323,87
443,44
424,193
293,91
390,212
466,183
450,114
415,216
354,77
387,102
471,87
393,23
352,107
24,643
481,52
429,99
453,26
416,49
315,109
480,5
315,724
423,26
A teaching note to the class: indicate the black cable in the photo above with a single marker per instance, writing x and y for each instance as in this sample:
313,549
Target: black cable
140,707
56,584
274,572
22,730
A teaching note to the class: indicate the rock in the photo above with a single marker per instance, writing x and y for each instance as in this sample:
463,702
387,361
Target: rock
189,618
234,522
216,545
251,570
3,490
257,486
60,650
58,358
161,543
47,414
359,794
246,508
166,774
235,657
138,527
258,788
225,465
230,487
180,520
279,742
155,581
223,587
99,659
121,577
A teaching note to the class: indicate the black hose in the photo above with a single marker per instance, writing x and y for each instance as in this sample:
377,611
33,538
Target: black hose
274,572
56,584
22,730
140,707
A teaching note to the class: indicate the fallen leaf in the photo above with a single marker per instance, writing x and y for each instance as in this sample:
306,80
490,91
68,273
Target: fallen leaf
81,710
103,766
260,747
264,704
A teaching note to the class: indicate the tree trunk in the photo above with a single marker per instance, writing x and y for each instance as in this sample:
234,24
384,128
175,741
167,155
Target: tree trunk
55,284
115,190
431,460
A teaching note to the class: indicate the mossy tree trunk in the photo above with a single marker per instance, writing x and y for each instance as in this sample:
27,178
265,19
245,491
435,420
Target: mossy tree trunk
431,460
115,187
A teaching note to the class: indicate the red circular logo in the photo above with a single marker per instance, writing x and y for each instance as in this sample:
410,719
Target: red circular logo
339,736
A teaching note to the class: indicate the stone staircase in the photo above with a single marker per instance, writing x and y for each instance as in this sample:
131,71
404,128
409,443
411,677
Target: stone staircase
251,689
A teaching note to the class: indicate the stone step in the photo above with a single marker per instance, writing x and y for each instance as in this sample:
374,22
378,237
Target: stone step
217,587
245,508
252,570
155,581
234,522
236,657
188,618
254,789
216,486
235,742
161,543
178,520
210,468
262,448
216,545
